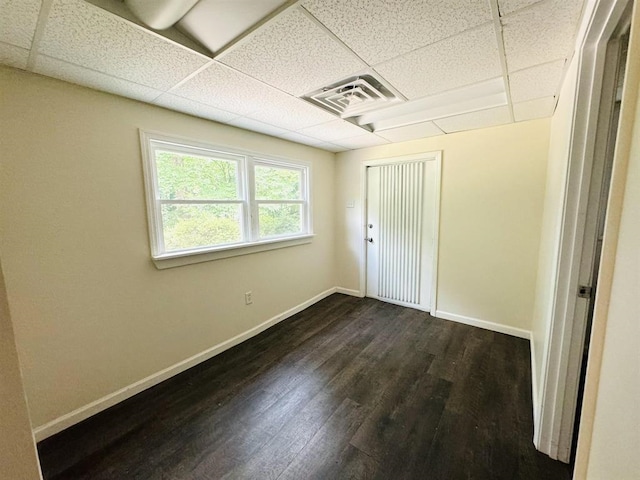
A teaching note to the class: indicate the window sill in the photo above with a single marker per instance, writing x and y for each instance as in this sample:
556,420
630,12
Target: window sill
178,259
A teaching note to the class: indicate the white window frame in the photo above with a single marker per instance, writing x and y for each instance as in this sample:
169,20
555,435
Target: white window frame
247,160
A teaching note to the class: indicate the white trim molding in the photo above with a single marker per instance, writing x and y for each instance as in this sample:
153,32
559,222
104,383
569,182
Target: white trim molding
349,291
76,416
487,325
190,258
534,387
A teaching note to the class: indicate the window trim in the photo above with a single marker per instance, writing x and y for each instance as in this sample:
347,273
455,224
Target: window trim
247,160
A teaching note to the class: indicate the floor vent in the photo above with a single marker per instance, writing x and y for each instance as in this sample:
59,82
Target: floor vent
353,97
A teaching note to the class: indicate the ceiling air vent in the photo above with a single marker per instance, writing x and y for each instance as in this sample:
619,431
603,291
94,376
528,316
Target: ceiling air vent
353,97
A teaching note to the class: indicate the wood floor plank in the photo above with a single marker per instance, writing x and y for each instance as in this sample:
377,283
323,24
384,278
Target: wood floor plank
328,451
297,432
316,380
407,416
473,366
348,388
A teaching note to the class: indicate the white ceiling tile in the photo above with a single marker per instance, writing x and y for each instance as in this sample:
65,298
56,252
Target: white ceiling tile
289,112
331,147
52,67
411,132
532,109
542,33
223,87
509,6
80,33
13,56
333,130
255,126
299,138
470,121
362,141
18,19
379,30
455,62
196,109
536,82
293,54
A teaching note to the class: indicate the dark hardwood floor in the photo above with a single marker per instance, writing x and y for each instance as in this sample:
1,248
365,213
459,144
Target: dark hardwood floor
349,388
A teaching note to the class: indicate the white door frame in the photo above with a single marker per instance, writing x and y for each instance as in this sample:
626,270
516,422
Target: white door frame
427,157
561,364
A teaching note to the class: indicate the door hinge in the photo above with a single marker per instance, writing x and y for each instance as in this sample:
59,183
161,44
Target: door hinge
584,291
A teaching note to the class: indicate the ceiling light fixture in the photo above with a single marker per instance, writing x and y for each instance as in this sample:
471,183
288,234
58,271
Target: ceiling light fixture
365,101
160,14
479,96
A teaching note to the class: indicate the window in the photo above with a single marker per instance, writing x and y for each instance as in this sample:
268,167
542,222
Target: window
203,199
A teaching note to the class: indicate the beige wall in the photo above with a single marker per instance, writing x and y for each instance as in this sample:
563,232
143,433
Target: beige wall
18,459
91,313
557,165
491,213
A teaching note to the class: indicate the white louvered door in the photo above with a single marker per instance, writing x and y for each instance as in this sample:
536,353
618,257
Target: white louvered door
399,239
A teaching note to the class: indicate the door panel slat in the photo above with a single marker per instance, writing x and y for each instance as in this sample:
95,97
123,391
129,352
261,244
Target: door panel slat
401,197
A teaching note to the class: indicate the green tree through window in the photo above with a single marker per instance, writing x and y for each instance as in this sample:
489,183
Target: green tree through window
209,198
187,177
278,185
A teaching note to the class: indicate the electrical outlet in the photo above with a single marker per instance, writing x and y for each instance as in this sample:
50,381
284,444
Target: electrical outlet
248,298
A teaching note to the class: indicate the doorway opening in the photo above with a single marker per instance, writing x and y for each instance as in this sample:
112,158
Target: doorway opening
591,153
599,195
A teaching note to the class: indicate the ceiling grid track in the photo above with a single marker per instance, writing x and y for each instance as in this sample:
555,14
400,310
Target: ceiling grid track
43,16
497,25
250,77
440,40
187,78
105,74
252,31
568,61
333,36
339,41
446,67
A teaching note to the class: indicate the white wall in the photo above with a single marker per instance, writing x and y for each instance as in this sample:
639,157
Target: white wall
493,184
557,167
91,313
18,459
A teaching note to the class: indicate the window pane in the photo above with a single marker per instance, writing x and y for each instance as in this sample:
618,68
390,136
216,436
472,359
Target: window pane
278,183
283,219
193,226
191,177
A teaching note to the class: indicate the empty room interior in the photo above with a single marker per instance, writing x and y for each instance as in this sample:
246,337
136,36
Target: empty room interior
273,239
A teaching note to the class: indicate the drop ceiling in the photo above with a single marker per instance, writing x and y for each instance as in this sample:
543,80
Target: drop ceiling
451,66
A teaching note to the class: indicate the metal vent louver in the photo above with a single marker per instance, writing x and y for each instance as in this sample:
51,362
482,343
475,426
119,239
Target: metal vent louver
354,96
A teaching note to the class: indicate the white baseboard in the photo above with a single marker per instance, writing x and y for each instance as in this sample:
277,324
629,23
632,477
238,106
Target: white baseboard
534,390
348,291
476,322
65,421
